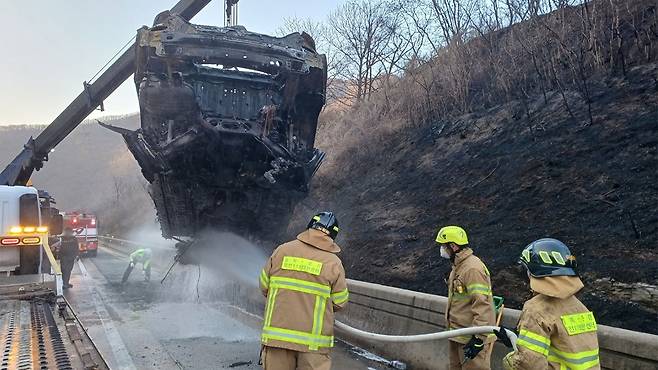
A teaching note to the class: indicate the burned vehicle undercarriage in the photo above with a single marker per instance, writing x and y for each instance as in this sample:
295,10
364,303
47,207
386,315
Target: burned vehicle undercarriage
228,122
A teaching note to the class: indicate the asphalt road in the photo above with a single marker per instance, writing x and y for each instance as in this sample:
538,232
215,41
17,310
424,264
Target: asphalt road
146,326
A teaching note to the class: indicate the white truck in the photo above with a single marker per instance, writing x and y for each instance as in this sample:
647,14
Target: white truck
37,322
23,231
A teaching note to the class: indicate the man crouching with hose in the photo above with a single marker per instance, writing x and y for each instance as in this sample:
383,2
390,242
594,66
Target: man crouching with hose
142,256
304,282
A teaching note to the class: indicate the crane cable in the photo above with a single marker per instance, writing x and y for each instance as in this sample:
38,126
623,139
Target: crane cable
112,58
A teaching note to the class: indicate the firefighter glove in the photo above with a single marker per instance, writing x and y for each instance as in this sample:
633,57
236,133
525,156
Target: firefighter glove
473,347
502,337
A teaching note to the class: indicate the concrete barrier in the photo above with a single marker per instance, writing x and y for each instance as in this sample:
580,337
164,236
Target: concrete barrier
389,310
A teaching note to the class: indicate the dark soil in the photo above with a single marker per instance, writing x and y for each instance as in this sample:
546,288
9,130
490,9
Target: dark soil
509,179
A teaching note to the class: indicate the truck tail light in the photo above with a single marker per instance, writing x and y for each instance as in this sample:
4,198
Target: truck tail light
9,241
32,240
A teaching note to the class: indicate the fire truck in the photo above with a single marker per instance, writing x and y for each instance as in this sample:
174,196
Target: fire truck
84,227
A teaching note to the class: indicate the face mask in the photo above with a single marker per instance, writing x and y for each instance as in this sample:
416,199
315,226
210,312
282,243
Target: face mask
444,253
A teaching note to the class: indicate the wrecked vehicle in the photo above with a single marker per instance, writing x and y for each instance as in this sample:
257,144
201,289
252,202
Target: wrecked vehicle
228,124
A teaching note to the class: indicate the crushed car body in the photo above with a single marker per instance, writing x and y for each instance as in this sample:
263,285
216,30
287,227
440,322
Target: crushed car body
228,124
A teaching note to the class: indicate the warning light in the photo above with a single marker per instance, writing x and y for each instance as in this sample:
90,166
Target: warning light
42,229
16,230
32,240
9,241
29,229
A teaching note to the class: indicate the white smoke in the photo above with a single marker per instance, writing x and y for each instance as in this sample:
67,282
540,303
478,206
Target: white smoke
229,266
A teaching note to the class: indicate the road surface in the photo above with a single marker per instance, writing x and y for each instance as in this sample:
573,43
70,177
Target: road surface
144,326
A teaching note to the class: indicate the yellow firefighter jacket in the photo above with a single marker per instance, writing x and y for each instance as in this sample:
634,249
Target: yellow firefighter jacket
470,301
556,331
304,282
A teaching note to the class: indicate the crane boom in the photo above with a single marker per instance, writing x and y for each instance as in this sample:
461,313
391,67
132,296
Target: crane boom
36,150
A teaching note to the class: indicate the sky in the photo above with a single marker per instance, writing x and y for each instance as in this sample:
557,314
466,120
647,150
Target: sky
50,47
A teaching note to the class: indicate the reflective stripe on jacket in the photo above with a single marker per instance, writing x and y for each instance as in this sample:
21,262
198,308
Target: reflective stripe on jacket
470,301
555,333
304,282
140,256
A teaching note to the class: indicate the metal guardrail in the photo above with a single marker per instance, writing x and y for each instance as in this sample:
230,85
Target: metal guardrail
130,242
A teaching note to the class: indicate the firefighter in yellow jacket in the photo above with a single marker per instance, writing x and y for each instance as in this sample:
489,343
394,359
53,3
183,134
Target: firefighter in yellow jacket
304,282
556,331
470,301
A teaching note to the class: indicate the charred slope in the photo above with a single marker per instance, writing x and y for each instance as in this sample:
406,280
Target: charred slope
509,179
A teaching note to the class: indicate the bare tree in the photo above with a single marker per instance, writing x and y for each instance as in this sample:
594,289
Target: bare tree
453,18
431,59
361,34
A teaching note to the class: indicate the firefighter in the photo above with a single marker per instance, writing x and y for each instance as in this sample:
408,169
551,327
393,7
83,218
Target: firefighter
304,282
470,301
556,331
142,256
68,250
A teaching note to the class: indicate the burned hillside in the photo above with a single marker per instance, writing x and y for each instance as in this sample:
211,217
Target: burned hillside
546,128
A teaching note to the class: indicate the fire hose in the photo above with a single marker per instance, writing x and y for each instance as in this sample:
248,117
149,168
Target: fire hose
425,337
422,337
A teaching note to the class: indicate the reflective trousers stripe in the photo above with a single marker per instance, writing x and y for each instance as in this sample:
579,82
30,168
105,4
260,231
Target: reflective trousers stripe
298,337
